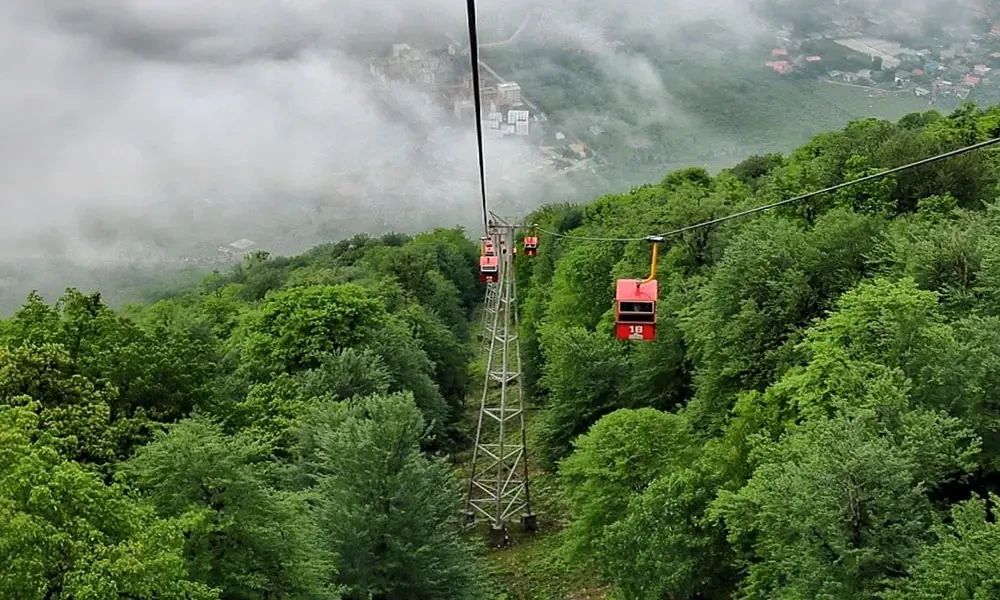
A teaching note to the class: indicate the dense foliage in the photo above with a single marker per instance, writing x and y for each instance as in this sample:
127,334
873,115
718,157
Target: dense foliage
818,417
270,434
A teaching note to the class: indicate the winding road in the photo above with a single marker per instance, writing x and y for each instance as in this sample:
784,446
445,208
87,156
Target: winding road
513,37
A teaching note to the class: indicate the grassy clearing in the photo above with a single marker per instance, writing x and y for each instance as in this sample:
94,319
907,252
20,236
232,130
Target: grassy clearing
531,567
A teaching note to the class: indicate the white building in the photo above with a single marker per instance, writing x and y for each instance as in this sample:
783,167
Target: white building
509,93
513,116
242,244
464,108
876,48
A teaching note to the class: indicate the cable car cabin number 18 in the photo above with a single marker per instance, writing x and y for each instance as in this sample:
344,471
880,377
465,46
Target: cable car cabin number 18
635,310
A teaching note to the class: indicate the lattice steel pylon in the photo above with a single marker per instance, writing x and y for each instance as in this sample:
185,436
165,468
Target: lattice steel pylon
498,483
489,315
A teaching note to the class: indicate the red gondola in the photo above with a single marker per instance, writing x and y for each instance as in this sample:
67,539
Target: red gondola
635,310
635,304
488,248
489,269
530,246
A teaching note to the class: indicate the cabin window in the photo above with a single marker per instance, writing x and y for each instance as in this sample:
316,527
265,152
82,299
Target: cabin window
636,312
636,317
635,307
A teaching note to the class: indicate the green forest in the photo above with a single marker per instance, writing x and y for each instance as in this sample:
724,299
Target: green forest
817,419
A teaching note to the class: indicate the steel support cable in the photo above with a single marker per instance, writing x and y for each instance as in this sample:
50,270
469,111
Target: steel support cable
832,188
477,99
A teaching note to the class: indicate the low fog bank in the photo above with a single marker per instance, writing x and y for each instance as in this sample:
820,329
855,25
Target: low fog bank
144,131
152,128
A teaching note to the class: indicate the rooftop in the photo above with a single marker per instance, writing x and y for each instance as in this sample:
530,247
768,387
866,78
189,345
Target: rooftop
242,244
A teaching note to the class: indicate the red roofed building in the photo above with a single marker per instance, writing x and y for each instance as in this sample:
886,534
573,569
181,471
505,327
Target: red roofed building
919,72
779,52
780,66
971,80
814,58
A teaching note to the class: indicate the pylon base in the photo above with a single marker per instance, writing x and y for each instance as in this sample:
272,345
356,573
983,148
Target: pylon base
529,522
498,536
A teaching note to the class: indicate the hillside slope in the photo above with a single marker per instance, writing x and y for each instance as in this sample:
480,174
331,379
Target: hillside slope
817,418
271,434
818,415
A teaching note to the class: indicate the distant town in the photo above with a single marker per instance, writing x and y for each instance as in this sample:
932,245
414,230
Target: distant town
443,75
858,49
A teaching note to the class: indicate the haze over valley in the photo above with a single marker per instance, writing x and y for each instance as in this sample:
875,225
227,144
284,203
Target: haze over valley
152,135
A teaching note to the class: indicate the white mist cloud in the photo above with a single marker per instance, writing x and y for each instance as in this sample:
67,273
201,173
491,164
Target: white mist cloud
170,122
175,121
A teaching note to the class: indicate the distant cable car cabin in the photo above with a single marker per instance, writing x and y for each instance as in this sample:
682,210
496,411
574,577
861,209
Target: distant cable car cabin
635,304
488,248
530,246
489,269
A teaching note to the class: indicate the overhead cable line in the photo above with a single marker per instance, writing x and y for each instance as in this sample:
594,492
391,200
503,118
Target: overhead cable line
477,98
807,196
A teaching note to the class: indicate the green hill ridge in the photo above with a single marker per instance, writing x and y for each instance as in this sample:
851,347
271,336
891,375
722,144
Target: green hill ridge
817,417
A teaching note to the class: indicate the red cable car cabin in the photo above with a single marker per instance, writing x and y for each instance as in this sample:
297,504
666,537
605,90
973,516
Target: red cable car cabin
489,269
635,310
530,246
489,249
